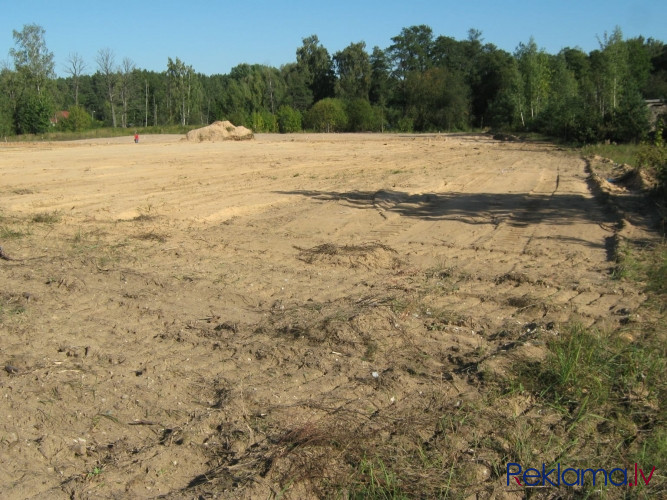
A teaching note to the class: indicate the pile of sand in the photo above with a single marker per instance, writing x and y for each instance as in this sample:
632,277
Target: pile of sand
219,131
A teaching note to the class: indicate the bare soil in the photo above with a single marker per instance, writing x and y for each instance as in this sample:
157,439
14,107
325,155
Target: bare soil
183,319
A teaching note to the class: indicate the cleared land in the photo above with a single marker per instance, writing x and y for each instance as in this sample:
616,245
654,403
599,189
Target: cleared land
251,318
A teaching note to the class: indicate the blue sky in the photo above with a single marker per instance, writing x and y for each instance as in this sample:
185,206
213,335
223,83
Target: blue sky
214,36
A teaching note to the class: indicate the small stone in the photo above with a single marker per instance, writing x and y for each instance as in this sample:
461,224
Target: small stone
79,447
11,438
11,369
482,472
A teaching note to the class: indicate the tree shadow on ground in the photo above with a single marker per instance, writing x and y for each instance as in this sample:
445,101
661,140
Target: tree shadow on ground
517,209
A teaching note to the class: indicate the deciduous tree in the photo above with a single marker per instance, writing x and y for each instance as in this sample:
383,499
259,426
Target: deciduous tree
315,64
74,67
353,68
32,59
184,89
106,65
327,115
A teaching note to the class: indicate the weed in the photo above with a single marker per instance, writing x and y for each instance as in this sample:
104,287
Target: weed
376,481
96,471
606,390
619,153
47,217
371,350
8,233
646,266
152,235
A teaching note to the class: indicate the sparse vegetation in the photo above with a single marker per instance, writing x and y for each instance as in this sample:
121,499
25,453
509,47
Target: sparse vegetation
363,354
46,217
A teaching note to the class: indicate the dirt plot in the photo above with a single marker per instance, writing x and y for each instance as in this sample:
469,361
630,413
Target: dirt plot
183,319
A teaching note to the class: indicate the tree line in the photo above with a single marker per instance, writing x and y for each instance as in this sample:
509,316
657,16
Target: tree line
421,82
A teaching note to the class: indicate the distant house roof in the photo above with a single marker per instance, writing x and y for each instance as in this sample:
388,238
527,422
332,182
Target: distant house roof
59,115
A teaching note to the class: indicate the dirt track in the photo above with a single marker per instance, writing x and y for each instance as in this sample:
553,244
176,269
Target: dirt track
177,309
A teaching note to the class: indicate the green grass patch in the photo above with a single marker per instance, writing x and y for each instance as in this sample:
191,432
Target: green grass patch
619,153
608,395
646,266
376,481
10,233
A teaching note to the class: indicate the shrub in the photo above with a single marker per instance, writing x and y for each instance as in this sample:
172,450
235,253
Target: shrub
654,156
33,114
327,115
360,116
264,121
78,120
289,120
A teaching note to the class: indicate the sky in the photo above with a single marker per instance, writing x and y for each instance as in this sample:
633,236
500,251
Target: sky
214,36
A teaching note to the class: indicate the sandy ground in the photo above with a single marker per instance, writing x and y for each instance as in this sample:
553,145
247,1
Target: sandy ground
172,309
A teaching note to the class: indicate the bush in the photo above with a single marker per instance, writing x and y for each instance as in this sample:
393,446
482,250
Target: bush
360,116
405,124
289,120
630,122
78,120
327,115
33,114
264,121
654,157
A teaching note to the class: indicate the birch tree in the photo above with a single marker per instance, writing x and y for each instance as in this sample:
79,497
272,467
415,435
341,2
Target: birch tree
183,88
125,86
614,68
74,67
32,60
106,63
535,73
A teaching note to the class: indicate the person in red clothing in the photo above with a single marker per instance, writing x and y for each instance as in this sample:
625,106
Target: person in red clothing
136,137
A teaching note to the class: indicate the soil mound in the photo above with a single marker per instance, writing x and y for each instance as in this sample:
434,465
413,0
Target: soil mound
219,131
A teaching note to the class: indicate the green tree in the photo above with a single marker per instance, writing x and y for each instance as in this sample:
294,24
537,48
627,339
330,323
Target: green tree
656,85
487,79
562,115
298,93
289,119
353,67
437,100
535,72
183,89
78,120
327,115
315,64
506,108
630,121
614,69
264,121
8,89
32,60
381,85
360,116
411,50
33,113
